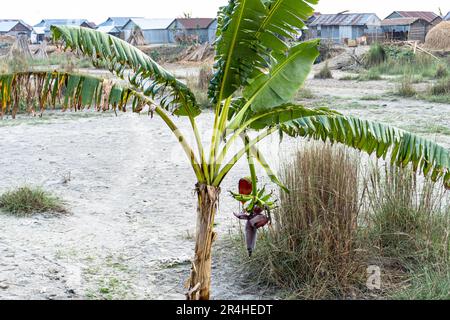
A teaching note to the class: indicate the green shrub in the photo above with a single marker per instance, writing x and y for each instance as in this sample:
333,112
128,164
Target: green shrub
375,56
26,201
441,88
441,72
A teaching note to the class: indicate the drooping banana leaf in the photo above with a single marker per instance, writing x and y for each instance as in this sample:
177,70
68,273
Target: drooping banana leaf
32,91
376,138
126,61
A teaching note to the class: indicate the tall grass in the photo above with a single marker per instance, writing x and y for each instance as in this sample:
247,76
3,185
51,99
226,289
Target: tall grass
310,249
406,88
336,221
199,85
400,61
376,55
408,218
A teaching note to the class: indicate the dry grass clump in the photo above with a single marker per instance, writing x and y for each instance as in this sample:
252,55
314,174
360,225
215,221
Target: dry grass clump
324,73
335,223
311,248
26,201
441,88
441,71
199,85
406,88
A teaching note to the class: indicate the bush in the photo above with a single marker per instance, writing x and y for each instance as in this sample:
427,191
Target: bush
26,201
441,88
441,72
375,56
324,73
406,88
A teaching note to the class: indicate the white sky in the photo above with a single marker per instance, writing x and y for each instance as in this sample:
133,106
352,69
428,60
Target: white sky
32,11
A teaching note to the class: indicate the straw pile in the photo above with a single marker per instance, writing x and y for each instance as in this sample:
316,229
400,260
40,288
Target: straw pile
439,37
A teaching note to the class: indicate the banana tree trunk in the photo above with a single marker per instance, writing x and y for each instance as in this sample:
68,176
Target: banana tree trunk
200,280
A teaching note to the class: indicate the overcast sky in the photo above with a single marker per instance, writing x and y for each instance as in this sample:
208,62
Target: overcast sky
32,11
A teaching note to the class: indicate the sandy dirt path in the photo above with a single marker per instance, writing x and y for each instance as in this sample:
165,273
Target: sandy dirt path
131,197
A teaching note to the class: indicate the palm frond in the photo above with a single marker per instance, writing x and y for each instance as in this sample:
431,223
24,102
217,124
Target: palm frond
126,61
35,91
236,53
376,138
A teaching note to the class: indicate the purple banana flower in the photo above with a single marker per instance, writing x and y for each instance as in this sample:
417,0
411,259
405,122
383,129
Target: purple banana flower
254,221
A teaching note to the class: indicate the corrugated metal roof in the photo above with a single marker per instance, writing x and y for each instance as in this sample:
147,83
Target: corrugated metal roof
347,19
425,15
117,21
152,24
108,29
39,30
399,21
59,22
196,23
447,17
7,25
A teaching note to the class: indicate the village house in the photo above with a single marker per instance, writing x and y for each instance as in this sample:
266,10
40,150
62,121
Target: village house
114,25
342,27
154,31
41,31
409,25
14,28
200,30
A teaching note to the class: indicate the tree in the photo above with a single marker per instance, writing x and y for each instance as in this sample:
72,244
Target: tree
257,74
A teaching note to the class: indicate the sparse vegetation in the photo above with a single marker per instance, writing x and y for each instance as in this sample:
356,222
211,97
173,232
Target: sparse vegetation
324,73
400,61
441,71
406,88
305,94
26,201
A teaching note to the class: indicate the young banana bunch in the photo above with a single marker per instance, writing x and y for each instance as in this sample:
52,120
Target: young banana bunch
257,205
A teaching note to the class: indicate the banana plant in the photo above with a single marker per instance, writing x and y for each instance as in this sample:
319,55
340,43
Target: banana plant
259,68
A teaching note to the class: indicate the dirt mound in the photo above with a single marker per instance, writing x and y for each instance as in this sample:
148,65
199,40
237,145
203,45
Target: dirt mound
348,59
439,37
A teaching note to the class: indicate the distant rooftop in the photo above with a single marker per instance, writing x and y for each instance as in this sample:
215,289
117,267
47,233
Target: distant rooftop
399,21
344,19
47,23
195,23
428,16
152,24
7,24
117,21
